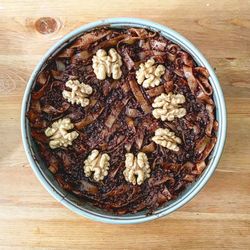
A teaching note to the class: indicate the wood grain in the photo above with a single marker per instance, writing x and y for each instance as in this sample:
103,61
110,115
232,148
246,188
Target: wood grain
217,218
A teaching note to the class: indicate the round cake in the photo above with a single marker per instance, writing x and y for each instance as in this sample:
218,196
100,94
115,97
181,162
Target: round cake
123,118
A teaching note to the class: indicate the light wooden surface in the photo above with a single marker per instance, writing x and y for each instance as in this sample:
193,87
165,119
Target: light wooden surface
217,218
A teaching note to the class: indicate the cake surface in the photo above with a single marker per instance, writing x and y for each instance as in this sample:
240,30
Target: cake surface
123,118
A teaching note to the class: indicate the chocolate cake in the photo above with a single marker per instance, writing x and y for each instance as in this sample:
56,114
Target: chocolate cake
123,118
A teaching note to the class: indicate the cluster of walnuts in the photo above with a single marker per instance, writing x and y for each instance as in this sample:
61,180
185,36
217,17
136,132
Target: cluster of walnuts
165,107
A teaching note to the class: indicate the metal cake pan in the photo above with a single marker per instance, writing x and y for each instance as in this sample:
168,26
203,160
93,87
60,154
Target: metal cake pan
86,209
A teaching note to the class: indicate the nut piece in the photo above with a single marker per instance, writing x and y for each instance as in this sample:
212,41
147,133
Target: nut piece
136,166
104,65
167,139
79,92
59,137
149,75
97,163
166,106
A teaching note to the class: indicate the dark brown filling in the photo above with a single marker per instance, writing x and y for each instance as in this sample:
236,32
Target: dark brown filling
119,119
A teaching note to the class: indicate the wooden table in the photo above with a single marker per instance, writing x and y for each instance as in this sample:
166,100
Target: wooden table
217,218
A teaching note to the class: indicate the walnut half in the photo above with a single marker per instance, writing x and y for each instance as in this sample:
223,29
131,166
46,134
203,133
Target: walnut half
58,134
167,139
149,75
136,166
167,106
97,163
78,94
106,65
